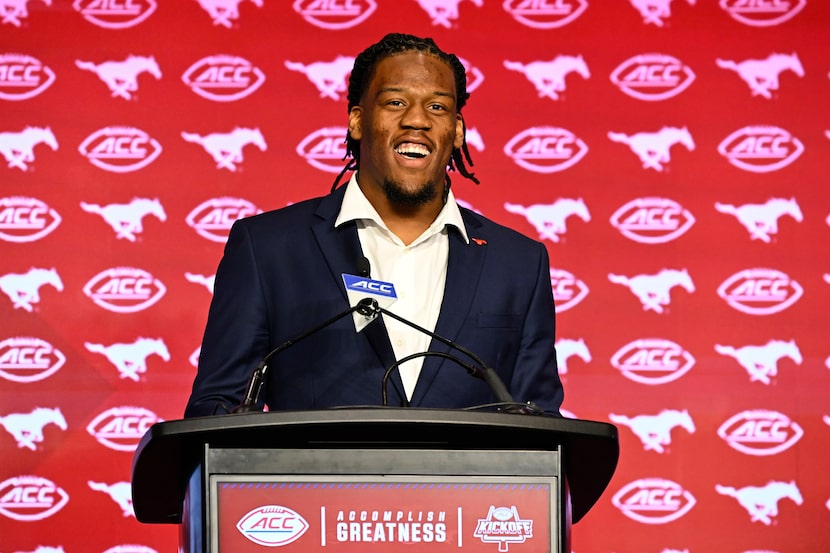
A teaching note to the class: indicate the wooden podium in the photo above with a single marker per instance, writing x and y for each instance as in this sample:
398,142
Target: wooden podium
373,479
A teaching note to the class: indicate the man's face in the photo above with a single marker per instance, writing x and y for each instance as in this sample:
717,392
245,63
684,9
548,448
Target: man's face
407,126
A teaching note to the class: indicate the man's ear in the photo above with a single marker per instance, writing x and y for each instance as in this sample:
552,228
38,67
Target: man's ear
459,131
355,118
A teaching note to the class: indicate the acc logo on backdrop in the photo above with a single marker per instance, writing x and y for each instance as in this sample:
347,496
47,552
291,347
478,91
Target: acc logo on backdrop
27,428
653,500
761,220
761,362
121,77
213,218
226,148
29,498
23,77
655,430
131,359
652,361
653,148
761,149
550,220
325,148
545,15
272,525
652,77
334,16
225,12
653,290
223,78
654,11
18,147
129,548
126,219
761,502
25,359
474,75
759,13
443,12
24,289
119,492
549,76
762,75
760,432
115,15
124,289
120,149
568,290
25,219
567,348
760,291
330,77
546,149
121,428
652,220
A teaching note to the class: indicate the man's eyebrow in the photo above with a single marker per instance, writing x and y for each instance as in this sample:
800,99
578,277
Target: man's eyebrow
400,89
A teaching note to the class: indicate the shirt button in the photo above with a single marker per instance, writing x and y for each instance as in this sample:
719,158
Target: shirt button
399,342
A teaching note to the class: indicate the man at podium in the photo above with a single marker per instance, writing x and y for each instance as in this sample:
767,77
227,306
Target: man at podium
290,280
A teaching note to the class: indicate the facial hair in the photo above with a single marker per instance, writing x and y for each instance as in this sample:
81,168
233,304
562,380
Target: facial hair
397,195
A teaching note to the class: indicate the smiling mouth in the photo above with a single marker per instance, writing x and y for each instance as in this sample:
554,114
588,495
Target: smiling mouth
412,150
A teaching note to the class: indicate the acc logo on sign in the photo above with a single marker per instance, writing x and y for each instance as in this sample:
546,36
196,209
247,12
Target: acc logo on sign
652,361
223,78
272,525
760,291
760,149
28,498
124,289
762,13
23,77
760,432
653,500
334,15
121,428
652,220
325,148
568,290
25,219
545,149
652,77
120,149
544,14
213,219
25,360
115,15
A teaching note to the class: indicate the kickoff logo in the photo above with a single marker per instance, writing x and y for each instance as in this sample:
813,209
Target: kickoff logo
760,291
335,14
761,149
121,428
23,77
120,149
325,148
760,432
652,77
762,13
272,525
545,149
213,218
545,14
568,291
223,78
115,14
653,500
25,219
124,289
652,361
24,359
30,498
652,220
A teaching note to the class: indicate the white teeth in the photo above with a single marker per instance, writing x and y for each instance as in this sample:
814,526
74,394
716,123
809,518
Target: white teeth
412,149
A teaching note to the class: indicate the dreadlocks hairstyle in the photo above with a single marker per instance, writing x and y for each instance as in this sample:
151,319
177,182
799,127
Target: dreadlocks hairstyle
362,73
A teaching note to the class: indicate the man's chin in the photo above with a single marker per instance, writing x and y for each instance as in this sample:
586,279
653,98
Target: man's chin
399,194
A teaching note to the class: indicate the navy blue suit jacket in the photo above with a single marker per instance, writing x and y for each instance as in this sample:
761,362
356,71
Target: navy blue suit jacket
281,275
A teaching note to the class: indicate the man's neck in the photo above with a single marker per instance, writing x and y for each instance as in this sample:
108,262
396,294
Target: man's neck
404,221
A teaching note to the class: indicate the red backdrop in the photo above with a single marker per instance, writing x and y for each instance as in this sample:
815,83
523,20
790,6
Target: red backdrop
671,155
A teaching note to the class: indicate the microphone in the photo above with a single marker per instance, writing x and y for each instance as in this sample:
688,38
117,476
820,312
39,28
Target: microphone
486,373
258,375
